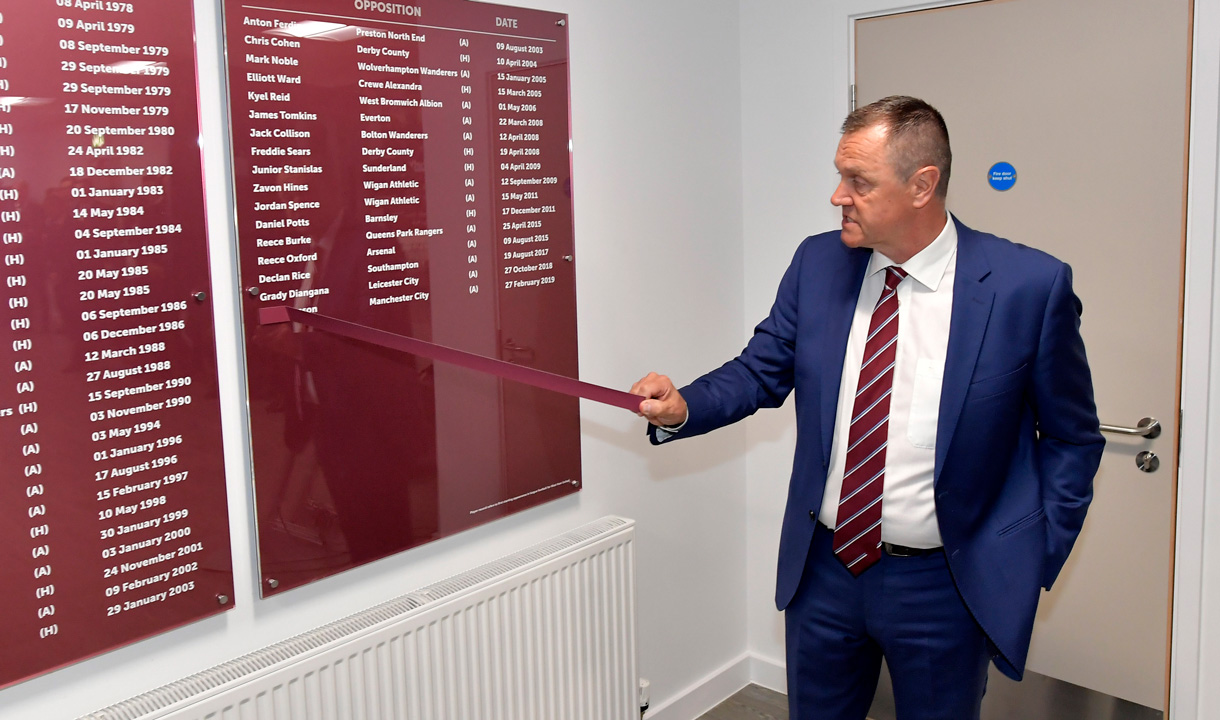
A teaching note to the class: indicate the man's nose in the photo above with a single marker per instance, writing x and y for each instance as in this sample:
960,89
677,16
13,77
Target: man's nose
839,197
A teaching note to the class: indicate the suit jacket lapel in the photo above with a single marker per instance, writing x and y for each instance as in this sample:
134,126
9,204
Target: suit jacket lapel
972,302
843,292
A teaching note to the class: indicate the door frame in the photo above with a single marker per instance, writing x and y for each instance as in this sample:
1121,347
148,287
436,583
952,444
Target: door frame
1201,329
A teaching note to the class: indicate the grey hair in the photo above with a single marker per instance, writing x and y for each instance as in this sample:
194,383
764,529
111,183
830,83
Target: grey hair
917,135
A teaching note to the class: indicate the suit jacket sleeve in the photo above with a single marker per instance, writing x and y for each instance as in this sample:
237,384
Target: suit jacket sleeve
1069,442
761,376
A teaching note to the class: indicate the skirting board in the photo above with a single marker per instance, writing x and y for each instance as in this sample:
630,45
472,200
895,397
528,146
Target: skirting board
719,685
769,673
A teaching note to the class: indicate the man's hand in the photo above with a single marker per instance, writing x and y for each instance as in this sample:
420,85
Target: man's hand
664,406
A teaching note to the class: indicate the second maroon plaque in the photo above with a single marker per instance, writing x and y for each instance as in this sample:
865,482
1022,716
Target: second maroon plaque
405,167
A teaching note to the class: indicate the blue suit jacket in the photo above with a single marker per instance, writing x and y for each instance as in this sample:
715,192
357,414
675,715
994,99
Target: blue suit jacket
1017,442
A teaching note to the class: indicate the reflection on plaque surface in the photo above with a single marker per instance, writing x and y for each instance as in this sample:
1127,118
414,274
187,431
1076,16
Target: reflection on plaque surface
405,167
113,514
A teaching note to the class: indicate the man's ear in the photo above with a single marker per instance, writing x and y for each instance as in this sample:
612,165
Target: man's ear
923,185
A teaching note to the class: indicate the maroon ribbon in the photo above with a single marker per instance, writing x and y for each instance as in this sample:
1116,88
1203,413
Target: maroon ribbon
461,358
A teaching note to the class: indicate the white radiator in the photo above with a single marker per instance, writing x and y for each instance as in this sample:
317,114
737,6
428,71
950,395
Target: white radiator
546,633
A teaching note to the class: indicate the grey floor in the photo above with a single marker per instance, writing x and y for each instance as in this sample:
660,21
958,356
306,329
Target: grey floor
750,703
1036,698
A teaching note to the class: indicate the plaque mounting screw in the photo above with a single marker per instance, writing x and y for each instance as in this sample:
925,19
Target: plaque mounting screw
273,583
252,290
201,296
222,599
567,258
561,22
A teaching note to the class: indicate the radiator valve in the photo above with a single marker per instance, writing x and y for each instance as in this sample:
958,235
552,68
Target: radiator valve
644,685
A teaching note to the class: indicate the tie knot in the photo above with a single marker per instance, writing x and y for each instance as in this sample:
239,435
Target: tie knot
893,276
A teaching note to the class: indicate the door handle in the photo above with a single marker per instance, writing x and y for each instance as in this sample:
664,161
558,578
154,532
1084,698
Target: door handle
1147,427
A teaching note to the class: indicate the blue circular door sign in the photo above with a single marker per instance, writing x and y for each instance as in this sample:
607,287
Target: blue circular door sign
1002,176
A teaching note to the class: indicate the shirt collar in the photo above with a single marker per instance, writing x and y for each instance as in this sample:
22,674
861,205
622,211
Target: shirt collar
928,265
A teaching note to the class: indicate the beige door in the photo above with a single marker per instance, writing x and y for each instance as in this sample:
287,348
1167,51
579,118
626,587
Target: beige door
1087,100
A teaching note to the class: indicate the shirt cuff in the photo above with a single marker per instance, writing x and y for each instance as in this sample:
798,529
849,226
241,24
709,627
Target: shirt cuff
665,432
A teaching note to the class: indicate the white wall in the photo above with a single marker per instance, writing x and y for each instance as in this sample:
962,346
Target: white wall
656,124
789,122
1196,648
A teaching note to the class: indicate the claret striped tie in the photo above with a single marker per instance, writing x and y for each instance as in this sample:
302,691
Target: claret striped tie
857,537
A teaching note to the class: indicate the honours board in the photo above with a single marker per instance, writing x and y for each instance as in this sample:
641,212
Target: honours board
405,167
113,513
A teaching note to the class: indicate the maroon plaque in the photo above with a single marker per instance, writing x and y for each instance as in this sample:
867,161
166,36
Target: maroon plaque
112,498
403,167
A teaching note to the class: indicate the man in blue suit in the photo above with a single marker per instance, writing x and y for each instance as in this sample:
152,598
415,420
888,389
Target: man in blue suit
947,436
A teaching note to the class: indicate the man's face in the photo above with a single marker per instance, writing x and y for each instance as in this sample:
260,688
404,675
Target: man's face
876,202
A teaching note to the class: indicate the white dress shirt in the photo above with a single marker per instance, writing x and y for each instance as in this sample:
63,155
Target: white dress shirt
925,306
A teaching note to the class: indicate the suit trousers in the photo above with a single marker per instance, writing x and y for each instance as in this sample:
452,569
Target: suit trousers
905,609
